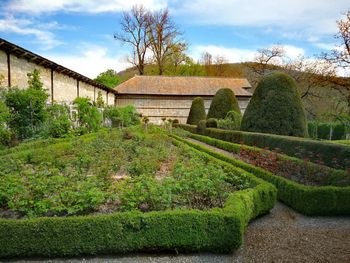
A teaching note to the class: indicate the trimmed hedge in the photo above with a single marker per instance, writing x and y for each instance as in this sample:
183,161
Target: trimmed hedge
309,200
276,107
197,111
216,230
224,101
331,154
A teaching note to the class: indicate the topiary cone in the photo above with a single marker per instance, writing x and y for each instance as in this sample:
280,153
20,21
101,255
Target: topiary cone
197,111
276,108
223,102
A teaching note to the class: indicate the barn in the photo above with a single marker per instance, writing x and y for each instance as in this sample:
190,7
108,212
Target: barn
170,97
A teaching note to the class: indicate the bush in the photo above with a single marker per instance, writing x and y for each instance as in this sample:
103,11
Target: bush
232,121
330,154
197,111
58,124
121,116
5,133
276,108
212,123
309,200
223,102
201,126
326,131
89,117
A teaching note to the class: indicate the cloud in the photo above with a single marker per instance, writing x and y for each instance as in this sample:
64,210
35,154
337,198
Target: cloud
311,16
238,54
24,26
36,7
91,61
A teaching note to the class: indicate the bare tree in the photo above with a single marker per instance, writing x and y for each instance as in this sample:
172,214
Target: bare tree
164,36
207,61
134,32
340,56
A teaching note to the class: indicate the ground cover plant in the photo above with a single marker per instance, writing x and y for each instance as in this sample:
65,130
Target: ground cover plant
112,170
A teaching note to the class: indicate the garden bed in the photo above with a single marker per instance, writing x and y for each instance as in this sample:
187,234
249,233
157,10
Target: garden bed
309,200
152,195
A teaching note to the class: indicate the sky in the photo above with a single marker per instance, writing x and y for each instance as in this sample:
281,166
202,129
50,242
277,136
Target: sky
78,34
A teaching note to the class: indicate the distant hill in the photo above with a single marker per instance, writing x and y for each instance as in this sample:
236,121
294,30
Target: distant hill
323,99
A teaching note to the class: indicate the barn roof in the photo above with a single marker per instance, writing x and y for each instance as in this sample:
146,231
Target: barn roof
182,85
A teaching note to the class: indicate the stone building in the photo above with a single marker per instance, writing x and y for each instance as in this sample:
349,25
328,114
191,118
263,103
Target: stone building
62,84
171,97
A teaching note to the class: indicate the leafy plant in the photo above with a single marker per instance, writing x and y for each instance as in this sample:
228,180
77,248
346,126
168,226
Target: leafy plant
89,117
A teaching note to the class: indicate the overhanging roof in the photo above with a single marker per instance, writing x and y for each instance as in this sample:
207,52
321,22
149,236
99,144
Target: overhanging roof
44,62
183,85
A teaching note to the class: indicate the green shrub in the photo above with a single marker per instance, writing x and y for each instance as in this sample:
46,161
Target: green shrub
89,117
223,102
212,123
232,121
197,111
276,108
121,116
201,126
330,154
58,124
5,133
326,131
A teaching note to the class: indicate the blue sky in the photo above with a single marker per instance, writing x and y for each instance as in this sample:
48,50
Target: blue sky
79,34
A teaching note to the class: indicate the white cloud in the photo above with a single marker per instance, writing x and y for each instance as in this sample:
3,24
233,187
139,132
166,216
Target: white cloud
91,61
22,26
317,17
238,54
36,7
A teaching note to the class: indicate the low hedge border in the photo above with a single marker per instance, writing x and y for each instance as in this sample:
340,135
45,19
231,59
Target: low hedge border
309,200
218,230
332,155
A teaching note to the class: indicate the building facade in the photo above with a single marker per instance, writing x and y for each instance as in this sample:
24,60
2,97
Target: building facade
62,84
171,97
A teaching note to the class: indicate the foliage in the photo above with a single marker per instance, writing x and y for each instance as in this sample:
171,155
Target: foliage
58,124
232,121
224,101
121,116
5,133
89,117
27,107
326,131
212,123
202,125
332,155
276,108
197,111
109,78
100,103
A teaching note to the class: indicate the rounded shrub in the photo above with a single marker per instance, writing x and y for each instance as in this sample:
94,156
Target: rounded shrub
276,108
197,111
202,125
223,102
212,123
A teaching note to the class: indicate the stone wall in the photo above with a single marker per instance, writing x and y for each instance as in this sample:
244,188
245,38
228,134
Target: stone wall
170,107
65,88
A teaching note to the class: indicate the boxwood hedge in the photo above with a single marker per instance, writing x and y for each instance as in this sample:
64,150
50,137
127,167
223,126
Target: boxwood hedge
330,154
309,200
216,230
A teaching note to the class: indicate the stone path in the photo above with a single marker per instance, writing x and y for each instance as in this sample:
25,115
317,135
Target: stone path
281,236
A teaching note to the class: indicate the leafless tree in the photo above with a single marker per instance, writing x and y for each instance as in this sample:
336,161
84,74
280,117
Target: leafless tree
340,56
135,28
164,36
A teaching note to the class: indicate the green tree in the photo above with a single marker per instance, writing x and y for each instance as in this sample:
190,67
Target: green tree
89,117
27,107
99,101
223,102
197,111
122,116
276,108
109,78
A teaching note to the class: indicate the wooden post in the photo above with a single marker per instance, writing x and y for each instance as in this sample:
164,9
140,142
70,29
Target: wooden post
8,69
77,88
51,86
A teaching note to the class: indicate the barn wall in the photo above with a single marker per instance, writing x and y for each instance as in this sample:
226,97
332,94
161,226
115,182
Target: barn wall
65,88
170,107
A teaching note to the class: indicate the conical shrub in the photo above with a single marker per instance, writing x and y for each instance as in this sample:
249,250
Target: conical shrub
223,102
197,111
276,108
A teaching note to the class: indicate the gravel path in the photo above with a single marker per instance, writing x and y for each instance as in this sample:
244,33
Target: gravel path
281,236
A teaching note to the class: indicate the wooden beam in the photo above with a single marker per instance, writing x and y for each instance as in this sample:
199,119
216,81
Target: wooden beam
52,86
8,69
77,88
